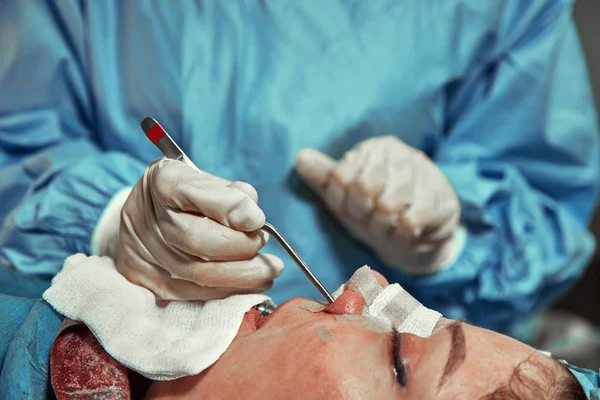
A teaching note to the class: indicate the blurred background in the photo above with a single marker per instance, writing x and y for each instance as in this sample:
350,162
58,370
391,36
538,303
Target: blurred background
584,299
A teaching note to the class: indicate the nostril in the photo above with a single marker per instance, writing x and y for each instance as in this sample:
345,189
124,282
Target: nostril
348,302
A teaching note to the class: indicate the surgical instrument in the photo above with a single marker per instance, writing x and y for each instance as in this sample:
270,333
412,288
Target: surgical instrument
161,139
264,309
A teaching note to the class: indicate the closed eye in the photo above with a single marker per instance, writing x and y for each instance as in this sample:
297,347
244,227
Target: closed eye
398,362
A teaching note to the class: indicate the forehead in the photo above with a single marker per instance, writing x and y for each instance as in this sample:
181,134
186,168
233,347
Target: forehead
491,359
486,342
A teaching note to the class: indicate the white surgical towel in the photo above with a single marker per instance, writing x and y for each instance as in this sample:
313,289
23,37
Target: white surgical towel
162,340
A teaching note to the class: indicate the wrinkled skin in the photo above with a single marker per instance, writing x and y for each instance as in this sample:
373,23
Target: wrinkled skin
299,352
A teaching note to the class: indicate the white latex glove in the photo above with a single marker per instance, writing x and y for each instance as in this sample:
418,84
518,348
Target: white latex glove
186,235
391,197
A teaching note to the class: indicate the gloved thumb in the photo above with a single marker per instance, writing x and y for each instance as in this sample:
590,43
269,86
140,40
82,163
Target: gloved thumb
315,168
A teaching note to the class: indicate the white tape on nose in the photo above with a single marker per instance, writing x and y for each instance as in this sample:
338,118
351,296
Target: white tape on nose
364,282
420,322
393,307
405,313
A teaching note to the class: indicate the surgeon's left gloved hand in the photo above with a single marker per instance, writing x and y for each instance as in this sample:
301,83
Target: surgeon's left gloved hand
391,197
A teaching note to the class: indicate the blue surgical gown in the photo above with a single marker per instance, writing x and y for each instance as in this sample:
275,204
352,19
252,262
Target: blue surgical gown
495,92
28,326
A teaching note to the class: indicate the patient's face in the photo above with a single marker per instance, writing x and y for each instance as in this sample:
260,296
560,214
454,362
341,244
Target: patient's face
304,350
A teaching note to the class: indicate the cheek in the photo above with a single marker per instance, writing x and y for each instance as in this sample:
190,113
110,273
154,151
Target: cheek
322,359
246,367
355,364
368,374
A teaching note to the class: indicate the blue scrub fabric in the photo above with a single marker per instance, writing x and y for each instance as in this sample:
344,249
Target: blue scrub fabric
495,92
28,326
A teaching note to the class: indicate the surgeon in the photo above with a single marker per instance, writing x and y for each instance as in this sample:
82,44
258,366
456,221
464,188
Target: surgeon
451,146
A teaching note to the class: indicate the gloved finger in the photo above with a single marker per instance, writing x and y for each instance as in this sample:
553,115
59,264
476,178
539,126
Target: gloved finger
246,188
163,162
202,237
208,175
426,206
315,168
258,271
187,291
381,220
397,196
446,212
164,287
359,230
367,185
435,234
420,210
382,223
180,187
177,289
400,182
342,176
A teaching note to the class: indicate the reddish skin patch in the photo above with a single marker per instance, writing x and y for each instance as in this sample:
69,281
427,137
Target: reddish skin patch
81,369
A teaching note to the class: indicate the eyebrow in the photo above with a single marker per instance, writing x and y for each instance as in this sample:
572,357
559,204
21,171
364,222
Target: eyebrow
458,352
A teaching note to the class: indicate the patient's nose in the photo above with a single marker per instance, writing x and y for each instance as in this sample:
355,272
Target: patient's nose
349,302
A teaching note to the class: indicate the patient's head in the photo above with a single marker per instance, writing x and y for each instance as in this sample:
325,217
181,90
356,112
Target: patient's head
306,350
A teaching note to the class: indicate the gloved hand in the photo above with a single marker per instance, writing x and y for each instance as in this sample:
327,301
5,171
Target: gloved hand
391,197
187,235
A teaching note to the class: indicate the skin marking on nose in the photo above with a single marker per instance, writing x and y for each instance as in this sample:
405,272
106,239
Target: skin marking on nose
324,333
313,306
374,324
349,317
377,324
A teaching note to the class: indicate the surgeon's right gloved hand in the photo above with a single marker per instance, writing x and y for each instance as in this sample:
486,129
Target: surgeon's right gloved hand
186,235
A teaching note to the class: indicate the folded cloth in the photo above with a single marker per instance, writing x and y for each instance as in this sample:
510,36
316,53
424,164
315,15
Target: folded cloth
162,340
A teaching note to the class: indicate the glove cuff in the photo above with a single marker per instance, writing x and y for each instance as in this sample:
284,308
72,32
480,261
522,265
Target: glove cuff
105,237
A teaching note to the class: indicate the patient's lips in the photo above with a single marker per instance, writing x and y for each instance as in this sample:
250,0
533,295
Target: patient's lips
349,302
251,322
